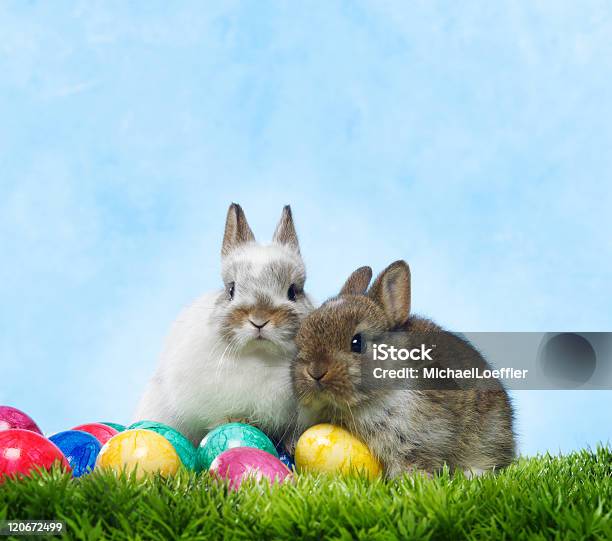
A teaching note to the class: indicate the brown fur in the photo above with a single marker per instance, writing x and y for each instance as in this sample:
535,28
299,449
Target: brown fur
285,230
237,230
391,290
357,282
407,429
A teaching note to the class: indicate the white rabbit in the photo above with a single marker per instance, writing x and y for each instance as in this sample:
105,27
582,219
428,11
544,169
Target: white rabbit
228,355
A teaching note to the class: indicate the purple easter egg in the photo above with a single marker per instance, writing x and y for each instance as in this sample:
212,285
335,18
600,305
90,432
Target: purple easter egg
11,418
242,463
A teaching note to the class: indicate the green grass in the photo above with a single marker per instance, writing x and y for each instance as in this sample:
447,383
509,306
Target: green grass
539,498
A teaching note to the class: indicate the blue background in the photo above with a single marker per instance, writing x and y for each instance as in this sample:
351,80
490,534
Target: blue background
472,140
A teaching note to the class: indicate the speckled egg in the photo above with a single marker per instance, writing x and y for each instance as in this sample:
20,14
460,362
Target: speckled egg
185,449
141,451
326,448
232,435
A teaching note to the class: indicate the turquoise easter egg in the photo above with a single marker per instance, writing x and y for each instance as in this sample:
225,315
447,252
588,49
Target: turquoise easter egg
228,436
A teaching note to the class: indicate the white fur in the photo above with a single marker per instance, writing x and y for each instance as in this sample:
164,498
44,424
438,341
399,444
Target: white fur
203,380
474,472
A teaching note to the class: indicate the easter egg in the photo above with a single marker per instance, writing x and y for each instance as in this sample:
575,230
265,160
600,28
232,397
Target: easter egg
23,452
232,435
13,418
80,448
285,457
100,431
327,448
184,448
240,463
141,451
116,426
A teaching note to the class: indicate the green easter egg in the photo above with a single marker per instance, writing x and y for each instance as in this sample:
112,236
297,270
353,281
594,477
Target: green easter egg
116,426
228,436
184,448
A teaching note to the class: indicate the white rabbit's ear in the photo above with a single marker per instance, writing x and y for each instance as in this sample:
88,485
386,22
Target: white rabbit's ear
285,230
391,290
358,282
237,230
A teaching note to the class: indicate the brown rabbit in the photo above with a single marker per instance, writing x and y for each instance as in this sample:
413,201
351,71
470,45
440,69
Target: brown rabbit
408,429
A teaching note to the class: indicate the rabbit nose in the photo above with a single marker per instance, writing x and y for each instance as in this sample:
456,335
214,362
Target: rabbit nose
258,324
317,375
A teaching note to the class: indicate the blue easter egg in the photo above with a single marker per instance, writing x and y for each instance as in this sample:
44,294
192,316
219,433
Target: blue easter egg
287,460
80,448
285,457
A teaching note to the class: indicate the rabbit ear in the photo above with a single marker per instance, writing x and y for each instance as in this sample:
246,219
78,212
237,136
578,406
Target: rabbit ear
237,230
358,282
285,230
391,290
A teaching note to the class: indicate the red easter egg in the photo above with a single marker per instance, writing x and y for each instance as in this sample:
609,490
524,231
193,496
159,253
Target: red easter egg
13,418
100,431
23,452
242,463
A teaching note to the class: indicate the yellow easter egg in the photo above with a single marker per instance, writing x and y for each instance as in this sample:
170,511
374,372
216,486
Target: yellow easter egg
139,450
327,448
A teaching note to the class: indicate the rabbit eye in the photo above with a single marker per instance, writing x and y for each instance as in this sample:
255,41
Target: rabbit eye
356,344
291,293
230,290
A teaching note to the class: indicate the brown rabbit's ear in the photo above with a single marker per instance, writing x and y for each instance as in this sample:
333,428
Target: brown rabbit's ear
237,230
358,282
391,290
285,230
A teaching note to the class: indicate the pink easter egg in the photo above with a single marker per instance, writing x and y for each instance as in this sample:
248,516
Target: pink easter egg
23,452
242,463
100,431
11,418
